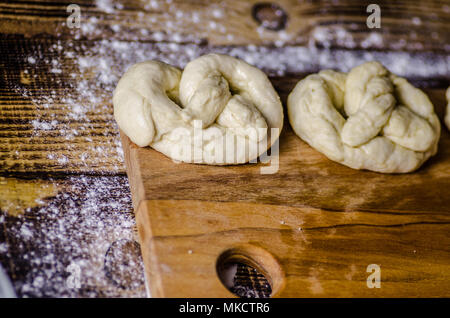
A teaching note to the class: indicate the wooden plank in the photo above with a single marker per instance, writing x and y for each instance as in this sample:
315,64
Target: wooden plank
316,221
69,146
412,25
54,228
56,115
63,121
183,240
53,121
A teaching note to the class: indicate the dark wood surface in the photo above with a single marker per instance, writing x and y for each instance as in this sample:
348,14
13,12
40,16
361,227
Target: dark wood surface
64,194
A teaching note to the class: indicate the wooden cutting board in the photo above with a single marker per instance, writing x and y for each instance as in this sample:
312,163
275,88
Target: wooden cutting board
312,228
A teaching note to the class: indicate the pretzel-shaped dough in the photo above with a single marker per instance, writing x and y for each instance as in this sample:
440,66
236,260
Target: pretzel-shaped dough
222,98
366,119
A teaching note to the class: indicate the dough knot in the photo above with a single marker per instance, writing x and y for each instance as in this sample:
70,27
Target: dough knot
366,119
192,115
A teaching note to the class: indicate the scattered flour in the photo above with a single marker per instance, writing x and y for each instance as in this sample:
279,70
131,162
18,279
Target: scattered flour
86,232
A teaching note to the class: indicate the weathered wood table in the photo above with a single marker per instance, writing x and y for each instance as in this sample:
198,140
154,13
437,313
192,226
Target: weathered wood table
66,222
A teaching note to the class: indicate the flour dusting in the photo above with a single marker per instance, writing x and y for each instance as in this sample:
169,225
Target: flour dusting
79,244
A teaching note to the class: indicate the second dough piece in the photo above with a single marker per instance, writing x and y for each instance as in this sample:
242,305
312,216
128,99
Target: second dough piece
366,119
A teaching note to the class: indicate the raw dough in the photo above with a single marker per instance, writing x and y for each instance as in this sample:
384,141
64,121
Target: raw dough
217,97
447,114
366,119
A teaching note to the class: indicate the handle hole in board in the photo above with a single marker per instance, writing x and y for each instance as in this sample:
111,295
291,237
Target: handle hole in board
249,272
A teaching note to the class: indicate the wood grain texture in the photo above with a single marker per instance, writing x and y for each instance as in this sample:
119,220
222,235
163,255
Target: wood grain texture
39,130
23,148
412,25
90,144
320,223
52,226
183,240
